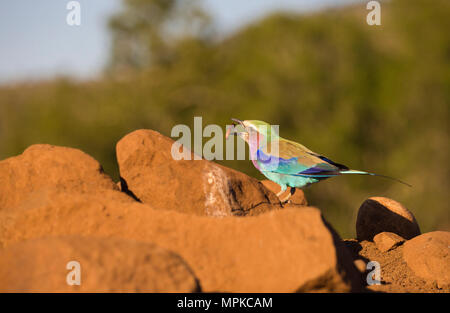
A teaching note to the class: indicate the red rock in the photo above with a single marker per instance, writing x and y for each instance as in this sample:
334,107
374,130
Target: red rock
106,265
386,241
378,214
428,255
196,186
43,167
63,192
280,251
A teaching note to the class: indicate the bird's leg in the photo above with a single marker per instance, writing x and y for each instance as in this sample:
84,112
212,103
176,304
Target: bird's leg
291,193
283,189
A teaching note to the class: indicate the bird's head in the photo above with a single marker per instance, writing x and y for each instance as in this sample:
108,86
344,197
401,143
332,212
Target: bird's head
254,131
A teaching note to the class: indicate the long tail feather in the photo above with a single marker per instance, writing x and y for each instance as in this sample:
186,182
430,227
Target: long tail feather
373,174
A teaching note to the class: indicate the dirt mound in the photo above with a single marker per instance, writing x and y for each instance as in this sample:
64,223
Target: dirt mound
396,275
417,265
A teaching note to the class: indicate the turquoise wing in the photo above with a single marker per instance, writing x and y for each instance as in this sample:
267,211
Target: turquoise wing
290,158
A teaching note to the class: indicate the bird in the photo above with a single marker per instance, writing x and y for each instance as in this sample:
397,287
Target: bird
285,162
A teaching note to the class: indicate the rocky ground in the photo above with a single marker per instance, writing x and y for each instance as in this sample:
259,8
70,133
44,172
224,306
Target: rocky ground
190,226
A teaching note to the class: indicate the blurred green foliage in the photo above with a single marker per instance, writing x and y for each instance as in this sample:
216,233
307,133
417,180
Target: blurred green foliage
375,98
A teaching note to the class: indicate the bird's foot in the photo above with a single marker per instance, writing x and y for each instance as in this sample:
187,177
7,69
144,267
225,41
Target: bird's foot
286,199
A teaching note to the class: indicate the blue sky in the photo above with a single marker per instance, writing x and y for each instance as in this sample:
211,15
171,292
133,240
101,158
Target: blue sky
36,42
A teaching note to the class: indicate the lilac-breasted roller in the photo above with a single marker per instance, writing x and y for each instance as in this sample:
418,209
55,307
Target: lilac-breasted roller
286,162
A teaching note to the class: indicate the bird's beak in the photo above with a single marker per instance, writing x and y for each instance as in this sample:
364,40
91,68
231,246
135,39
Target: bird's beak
237,121
232,130
234,133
